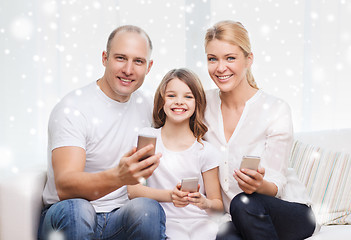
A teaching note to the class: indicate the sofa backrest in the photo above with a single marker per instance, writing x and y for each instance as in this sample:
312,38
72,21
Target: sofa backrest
326,172
338,140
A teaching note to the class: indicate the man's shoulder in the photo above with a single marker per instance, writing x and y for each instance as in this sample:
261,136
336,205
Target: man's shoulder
142,99
77,95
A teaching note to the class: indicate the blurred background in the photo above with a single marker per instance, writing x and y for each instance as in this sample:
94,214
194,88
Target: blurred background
302,54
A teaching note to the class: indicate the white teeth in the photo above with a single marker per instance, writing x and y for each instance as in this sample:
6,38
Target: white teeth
224,77
125,80
178,110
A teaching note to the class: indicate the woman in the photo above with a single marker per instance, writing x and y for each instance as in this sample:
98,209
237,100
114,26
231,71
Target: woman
244,120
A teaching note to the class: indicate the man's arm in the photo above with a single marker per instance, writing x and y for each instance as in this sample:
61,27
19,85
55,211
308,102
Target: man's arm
72,182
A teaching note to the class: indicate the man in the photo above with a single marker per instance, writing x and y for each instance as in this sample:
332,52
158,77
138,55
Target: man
89,131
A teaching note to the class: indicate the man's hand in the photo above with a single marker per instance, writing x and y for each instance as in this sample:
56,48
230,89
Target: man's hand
130,169
73,182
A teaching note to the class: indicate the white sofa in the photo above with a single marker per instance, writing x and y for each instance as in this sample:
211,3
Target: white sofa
20,194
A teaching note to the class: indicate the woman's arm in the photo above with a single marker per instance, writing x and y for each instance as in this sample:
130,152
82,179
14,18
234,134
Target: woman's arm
251,181
213,199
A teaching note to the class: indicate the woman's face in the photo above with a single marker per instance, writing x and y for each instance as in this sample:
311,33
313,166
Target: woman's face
227,64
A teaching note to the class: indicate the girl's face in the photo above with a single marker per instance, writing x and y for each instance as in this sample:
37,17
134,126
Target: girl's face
179,101
227,64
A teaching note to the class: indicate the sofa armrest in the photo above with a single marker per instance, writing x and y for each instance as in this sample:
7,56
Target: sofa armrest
20,204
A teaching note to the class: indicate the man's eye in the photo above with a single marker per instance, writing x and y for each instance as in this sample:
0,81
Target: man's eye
120,58
139,62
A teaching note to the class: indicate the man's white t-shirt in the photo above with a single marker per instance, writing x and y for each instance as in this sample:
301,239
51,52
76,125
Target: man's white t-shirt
104,128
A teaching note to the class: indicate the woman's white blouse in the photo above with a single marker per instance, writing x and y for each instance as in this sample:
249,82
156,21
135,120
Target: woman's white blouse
264,130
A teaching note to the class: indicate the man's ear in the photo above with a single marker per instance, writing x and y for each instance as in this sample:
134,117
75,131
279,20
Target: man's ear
104,58
150,65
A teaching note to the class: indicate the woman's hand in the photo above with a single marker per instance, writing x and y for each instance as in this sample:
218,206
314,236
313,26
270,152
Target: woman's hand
179,198
249,181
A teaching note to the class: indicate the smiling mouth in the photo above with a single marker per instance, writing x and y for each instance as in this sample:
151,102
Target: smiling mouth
178,109
224,77
125,80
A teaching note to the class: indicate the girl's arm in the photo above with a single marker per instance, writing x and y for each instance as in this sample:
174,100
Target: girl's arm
213,199
138,190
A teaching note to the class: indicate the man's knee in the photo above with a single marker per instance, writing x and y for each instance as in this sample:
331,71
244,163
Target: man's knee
72,210
146,207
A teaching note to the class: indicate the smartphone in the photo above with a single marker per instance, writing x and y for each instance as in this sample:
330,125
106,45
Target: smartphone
189,184
250,162
143,141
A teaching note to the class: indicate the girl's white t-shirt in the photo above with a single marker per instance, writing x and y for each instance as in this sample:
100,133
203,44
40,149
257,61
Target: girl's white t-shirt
174,166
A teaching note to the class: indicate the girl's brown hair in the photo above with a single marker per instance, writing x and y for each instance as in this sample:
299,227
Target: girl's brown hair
233,33
189,78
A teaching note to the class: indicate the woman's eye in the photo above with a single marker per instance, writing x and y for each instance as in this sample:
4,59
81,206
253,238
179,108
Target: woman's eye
211,59
231,58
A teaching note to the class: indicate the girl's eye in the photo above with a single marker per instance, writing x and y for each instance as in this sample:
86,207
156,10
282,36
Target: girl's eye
170,95
189,96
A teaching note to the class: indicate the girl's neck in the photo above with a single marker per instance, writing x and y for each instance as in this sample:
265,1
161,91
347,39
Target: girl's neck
177,136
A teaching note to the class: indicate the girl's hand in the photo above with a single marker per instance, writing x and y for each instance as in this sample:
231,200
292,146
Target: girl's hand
199,200
249,180
179,198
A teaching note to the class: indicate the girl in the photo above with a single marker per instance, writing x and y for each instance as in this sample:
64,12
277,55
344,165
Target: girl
178,113
244,120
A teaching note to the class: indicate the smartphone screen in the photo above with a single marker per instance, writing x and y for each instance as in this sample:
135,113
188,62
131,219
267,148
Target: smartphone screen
143,141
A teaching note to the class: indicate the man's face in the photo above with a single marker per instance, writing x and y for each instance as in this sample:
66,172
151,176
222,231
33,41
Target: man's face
126,65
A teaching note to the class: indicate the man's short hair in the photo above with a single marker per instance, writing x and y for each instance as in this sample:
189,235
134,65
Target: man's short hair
127,28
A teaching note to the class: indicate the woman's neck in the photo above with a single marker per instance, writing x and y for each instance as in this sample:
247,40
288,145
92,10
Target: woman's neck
237,98
177,136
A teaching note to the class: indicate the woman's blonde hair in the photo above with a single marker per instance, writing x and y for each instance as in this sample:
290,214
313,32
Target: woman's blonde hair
193,82
233,33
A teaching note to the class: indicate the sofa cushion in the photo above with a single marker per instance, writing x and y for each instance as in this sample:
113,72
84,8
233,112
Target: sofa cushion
327,177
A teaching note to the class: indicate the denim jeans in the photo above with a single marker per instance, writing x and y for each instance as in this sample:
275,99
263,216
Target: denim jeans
257,216
76,219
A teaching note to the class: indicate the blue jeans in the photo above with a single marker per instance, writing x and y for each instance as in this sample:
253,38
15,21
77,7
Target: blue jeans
257,216
76,219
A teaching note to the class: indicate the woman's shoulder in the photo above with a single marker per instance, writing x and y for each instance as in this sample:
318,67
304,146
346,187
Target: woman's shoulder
206,147
269,100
